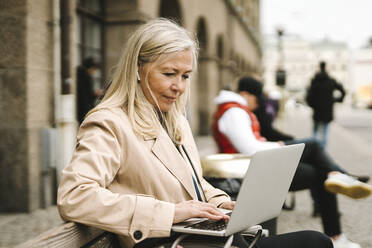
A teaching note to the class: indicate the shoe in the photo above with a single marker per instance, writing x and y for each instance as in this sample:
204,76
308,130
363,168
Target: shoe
347,185
363,179
343,242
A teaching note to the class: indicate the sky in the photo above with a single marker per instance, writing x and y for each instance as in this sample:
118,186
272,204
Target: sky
349,21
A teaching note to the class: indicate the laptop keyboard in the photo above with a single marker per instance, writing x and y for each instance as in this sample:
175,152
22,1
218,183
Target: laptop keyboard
214,225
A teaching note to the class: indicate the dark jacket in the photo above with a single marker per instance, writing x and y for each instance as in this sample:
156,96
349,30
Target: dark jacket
266,124
320,96
85,92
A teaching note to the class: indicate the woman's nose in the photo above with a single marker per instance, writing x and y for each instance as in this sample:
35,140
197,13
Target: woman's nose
178,84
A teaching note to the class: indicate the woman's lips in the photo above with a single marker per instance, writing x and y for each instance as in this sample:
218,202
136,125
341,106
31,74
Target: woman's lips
170,98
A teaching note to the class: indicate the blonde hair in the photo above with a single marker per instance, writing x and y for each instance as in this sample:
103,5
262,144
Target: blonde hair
150,43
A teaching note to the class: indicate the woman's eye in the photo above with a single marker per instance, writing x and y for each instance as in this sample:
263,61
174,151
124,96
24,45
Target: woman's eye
169,74
186,76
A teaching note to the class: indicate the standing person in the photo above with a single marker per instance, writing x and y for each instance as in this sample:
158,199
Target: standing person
237,130
131,173
86,94
320,97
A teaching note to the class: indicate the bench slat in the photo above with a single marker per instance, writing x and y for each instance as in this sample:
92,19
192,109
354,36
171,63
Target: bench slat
67,235
106,240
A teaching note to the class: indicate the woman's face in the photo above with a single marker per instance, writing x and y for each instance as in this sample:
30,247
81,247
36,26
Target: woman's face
167,78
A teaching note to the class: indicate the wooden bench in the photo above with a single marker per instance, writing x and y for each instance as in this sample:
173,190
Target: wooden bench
71,235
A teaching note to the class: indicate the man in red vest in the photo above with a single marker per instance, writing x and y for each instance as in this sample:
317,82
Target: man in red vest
237,130
236,109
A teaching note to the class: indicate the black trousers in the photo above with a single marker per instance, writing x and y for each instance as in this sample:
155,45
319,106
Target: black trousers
302,239
315,155
312,171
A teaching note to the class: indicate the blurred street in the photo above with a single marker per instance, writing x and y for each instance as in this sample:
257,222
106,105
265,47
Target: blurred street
349,144
358,121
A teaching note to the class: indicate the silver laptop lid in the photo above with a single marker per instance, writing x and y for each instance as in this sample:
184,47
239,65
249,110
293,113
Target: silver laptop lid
264,187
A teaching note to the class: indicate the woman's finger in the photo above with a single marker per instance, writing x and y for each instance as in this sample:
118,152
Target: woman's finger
212,213
197,209
228,205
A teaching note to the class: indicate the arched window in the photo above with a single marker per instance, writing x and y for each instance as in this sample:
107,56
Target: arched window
202,84
220,47
171,9
220,56
89,35
202,35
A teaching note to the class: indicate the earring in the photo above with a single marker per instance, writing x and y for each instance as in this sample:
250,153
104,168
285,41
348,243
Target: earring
138,76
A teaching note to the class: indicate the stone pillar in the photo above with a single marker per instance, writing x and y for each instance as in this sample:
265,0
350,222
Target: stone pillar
26,99
13,131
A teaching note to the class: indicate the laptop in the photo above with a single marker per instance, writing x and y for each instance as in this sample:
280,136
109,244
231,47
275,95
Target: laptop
261,196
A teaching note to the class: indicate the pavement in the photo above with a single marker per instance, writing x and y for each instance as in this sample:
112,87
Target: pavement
350,151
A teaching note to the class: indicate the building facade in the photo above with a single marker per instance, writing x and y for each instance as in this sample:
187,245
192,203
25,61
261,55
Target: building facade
43,42
361,76
300,59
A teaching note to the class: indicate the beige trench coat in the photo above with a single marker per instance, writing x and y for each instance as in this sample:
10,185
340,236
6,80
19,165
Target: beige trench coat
127,184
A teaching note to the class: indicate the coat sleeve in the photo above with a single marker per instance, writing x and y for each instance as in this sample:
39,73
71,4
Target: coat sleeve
235,124
310,96
268,130
214,196
341,89
83,194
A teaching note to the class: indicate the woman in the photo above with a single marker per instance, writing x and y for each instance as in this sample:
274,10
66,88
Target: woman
130,173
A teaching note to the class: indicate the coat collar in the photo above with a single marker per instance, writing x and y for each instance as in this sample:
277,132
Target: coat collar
165,150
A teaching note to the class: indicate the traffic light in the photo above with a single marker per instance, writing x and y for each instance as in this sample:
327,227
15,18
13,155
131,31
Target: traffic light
280,77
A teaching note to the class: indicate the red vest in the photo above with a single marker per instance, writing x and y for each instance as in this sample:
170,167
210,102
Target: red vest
224,144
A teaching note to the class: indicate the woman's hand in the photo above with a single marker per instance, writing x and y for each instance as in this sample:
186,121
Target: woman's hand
228,205
197,209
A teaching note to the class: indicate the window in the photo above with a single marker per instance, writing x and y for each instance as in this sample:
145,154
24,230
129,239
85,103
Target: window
90,35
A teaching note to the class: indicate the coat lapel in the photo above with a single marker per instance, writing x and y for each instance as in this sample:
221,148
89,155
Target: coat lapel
164,149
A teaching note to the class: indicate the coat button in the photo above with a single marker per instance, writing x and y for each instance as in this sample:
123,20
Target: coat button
137,235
